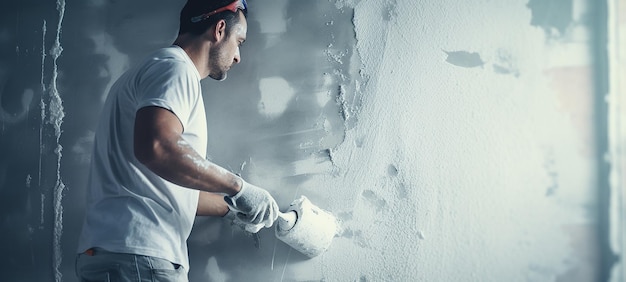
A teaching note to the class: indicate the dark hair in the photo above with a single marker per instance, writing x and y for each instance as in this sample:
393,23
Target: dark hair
195,8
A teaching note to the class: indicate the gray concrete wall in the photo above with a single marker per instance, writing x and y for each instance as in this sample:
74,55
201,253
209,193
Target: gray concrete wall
455,141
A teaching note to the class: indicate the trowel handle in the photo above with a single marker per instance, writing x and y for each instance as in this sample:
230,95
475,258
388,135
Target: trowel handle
287,220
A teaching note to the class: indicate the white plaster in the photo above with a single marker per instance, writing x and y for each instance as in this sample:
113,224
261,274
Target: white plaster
276,94
201,163
470,147
56,115
323,97
312,165
569,54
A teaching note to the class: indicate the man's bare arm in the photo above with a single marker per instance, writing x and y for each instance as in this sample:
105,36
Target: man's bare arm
159,145
211,204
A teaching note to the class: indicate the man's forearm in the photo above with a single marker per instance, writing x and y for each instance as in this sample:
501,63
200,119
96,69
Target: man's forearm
177,162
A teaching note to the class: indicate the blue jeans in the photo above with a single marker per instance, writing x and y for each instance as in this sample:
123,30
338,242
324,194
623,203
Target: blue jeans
104,266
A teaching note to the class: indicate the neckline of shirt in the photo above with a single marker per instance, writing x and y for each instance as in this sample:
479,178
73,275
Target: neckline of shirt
188,59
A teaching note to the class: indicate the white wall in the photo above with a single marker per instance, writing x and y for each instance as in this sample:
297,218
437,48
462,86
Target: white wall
467,174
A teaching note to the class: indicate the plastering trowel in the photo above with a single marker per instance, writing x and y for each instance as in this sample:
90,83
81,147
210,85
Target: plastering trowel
306,228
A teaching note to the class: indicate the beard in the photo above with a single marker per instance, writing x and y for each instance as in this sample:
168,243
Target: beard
216,59
221,76
218,75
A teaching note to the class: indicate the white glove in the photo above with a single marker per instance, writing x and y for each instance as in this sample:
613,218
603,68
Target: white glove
231,216
253,205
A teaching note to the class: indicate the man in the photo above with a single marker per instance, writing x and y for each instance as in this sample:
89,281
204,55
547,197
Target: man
149,177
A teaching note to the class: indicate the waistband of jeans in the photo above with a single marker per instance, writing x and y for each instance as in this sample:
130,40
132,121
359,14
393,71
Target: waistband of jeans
96,251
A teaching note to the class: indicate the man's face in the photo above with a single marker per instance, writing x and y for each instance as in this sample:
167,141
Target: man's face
226,52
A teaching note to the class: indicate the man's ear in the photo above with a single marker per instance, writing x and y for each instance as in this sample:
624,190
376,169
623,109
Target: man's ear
220,30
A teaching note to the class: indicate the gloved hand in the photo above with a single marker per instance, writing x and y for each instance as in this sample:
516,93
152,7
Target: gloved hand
253,206
231,216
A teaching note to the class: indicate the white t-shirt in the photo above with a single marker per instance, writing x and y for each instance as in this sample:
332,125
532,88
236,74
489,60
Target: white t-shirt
129,208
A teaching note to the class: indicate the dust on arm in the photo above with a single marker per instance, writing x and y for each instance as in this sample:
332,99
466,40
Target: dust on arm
158,144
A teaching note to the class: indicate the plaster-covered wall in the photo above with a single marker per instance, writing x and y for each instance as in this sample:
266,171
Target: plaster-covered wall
455,141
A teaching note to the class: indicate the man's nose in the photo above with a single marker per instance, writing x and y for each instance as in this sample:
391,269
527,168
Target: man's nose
237,57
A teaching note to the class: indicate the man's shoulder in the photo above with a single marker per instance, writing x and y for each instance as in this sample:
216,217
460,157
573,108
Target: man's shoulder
167,61
168,55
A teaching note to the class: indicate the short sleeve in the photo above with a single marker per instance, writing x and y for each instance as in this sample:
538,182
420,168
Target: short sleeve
169,84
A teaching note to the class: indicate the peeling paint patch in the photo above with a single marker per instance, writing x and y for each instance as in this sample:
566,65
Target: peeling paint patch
464,59
554,16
